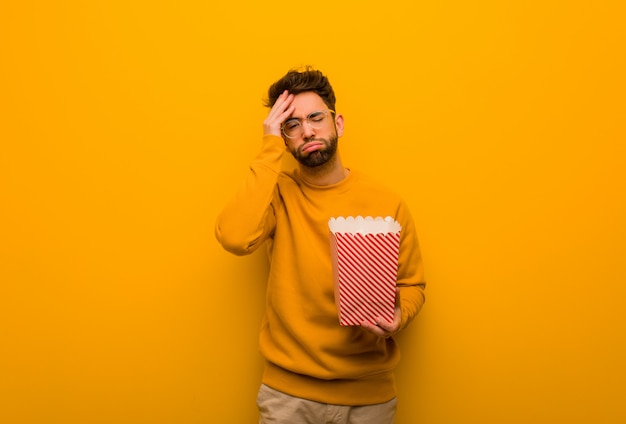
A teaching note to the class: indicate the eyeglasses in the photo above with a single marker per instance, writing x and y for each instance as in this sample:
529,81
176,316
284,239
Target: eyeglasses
293,127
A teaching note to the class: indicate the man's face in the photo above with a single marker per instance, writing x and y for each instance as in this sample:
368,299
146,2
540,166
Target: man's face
314,145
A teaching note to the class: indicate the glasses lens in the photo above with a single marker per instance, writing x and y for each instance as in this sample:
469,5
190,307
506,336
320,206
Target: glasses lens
292,128
316,119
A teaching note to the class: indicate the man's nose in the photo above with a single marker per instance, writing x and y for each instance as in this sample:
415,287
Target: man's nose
307,129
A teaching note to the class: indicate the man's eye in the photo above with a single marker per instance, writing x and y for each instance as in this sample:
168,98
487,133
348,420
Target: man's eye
290,125
316,117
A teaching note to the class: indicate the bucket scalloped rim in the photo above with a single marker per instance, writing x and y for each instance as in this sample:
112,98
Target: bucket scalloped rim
364,225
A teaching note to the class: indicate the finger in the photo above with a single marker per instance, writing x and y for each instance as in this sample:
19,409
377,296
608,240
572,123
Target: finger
286,113
282,103
387,327
377,330
373,329
281,110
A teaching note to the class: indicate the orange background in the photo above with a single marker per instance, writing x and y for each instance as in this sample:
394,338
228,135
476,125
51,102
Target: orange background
125,126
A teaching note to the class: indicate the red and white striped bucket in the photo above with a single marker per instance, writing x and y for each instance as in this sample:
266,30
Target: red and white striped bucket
365,266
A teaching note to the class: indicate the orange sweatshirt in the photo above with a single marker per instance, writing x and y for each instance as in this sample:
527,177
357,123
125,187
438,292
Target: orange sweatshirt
308,353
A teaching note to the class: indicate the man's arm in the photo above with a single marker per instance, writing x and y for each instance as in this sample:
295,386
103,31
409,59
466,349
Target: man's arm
410,286
248,219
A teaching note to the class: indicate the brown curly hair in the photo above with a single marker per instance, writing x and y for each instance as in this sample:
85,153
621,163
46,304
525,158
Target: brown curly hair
299,81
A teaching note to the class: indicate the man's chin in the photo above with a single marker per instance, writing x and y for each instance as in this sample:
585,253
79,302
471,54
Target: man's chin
317,158
311,163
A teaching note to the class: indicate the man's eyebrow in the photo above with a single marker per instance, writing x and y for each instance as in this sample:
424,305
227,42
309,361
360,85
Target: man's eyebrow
304,117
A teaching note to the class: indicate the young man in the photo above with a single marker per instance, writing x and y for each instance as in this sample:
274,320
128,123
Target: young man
317,370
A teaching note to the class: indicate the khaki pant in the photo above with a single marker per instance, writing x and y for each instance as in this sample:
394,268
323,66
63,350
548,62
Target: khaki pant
279,408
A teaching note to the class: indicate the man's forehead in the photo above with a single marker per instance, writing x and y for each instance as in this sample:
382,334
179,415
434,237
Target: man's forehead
307,102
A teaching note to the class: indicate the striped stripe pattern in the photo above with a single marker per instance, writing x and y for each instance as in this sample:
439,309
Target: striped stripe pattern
367,268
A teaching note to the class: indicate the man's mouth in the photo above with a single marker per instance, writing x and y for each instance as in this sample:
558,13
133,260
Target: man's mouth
312,146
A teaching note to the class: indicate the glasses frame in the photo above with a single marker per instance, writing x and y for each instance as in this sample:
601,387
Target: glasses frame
306,119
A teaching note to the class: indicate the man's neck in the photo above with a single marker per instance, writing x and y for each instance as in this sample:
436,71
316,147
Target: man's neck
329,173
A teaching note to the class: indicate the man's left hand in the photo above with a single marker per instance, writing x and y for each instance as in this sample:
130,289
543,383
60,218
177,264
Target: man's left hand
383,328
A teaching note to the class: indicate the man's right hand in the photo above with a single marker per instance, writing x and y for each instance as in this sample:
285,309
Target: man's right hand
281,110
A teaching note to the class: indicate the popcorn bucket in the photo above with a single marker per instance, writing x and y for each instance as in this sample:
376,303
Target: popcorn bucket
365,267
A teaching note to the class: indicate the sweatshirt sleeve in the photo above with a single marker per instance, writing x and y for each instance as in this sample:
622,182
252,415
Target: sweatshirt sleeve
248,218
410,270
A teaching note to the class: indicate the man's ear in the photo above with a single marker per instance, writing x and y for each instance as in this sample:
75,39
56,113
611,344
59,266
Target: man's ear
339,124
